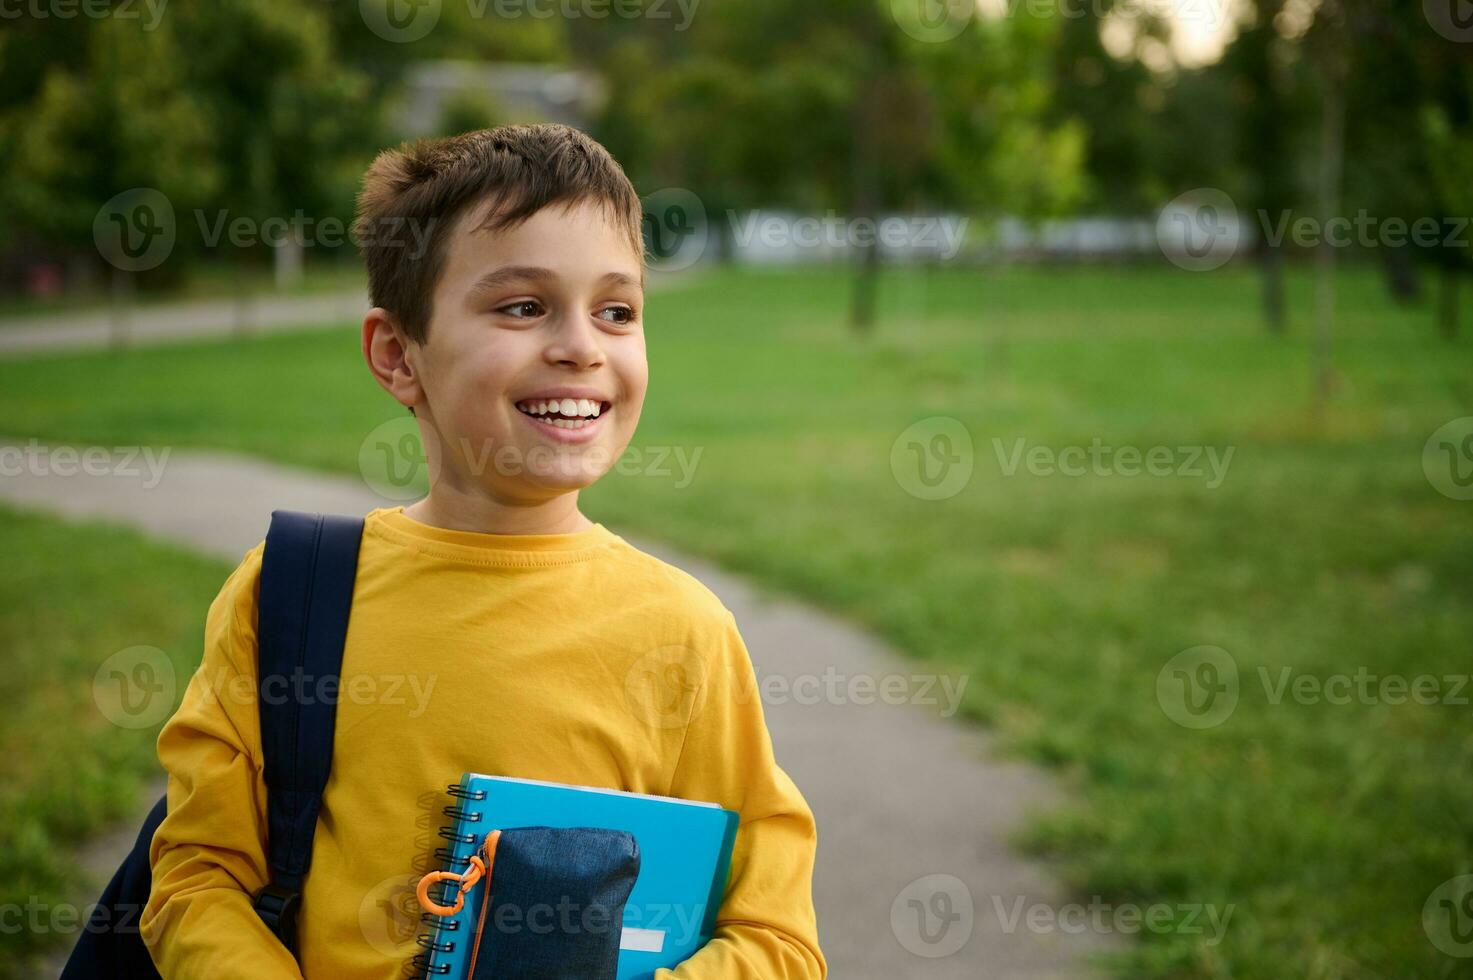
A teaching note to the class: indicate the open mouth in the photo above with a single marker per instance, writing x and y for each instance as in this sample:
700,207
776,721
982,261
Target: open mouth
564,413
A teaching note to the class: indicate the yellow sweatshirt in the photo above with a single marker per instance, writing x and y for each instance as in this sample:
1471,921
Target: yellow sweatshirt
572,657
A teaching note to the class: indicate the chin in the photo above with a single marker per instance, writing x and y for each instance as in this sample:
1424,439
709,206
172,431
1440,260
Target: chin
568,473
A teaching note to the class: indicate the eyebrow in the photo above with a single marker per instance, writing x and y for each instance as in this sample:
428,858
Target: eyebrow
509,274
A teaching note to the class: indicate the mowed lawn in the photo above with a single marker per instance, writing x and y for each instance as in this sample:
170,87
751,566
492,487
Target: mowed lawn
1317,552
82,606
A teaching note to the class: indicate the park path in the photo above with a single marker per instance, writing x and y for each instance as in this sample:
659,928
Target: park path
913,811
169,322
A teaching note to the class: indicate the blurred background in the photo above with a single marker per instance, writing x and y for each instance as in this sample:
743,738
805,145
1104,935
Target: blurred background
1109,354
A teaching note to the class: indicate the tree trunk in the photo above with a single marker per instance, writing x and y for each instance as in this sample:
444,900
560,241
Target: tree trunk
1401,275
866,284
1332,159
1447,301
244,300
1272,264
120,309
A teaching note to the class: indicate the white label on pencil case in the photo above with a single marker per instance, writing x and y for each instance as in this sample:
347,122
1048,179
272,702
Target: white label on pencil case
642,940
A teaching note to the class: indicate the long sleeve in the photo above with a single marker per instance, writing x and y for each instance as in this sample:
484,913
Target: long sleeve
208,855
766,928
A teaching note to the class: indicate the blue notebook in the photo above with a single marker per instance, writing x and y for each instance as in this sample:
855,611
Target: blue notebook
685,854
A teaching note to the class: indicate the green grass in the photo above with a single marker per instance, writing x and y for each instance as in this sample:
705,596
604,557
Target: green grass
1324,550
79,594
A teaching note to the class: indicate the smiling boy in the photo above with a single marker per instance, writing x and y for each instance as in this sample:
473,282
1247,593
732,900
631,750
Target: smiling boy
516,338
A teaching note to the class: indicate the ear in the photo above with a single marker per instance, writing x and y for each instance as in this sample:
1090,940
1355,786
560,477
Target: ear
390,357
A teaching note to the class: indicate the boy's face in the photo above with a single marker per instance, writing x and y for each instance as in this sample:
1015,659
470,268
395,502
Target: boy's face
531,325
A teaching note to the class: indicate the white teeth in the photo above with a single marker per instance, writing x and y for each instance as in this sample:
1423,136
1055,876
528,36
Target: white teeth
585,407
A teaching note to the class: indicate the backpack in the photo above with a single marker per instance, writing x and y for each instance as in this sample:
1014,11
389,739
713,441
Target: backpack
306,593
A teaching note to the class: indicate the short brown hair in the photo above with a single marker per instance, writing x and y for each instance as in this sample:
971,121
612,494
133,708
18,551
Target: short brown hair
412,196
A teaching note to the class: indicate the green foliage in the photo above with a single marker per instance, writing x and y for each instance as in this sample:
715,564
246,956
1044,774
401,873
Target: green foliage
126,118
830,104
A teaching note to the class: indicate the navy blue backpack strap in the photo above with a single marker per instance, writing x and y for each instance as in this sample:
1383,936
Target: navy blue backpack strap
306,594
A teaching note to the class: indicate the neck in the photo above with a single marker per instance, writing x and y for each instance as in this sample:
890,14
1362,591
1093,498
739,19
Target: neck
458,510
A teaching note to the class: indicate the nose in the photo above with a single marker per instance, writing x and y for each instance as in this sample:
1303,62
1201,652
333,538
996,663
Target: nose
574,343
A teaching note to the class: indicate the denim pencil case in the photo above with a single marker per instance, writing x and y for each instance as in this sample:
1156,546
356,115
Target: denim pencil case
546,903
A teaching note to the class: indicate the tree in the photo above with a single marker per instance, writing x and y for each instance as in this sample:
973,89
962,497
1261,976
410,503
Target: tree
830,104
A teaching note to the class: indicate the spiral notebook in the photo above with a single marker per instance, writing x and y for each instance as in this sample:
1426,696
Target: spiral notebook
685,855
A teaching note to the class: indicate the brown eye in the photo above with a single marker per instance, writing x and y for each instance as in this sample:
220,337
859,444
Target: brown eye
622,314
521,309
